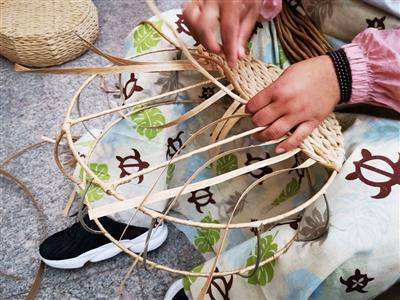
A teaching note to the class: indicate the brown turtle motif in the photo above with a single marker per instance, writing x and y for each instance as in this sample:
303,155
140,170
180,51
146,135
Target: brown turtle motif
132,161
173,145
223,289
201,198
181,27
256,26
392,173
134,88
376,23
259,172
356,282
207,92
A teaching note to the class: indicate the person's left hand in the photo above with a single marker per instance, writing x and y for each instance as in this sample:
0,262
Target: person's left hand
236,20
301,98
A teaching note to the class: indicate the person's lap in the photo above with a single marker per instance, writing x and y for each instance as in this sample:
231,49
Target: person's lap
357,256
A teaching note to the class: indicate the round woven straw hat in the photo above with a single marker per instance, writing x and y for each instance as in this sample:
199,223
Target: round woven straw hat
45,33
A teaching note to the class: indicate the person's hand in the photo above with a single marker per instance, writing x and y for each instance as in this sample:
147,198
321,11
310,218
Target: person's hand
301,98
237,20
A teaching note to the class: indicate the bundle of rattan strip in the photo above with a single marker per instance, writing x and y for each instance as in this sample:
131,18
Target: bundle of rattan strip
299,37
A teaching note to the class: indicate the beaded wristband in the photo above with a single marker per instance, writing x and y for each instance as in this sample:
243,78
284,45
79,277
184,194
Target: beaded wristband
343,73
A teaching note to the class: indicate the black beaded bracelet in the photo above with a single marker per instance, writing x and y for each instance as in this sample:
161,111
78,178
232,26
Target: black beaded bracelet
343,73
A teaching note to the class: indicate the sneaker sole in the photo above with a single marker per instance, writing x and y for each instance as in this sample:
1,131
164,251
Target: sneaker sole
174,289
109,250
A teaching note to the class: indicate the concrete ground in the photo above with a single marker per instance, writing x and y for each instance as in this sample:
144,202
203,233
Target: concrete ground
35,105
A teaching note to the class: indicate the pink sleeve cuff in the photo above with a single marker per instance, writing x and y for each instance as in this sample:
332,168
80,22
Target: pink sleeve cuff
360,73
270,8
374,57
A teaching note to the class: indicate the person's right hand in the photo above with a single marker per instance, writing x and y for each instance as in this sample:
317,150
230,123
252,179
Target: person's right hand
237,19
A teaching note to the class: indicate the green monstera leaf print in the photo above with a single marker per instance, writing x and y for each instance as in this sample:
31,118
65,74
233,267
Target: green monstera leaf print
100,170
226,164
95,192
206,238
189,280
291,189
146,37
147,118
264,273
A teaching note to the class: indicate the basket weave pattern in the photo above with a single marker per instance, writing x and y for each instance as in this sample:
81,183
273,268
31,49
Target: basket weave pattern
44,33
324,144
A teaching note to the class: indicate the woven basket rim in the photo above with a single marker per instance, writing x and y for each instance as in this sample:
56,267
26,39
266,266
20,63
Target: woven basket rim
59,32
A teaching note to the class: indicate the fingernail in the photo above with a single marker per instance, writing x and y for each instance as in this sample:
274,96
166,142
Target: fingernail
279,150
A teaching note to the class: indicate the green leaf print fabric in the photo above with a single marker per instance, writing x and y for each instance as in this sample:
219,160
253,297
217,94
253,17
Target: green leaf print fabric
227,163
264,273
207,237
291,189
95,192
189,280
100,170
147,118
145,37
170,173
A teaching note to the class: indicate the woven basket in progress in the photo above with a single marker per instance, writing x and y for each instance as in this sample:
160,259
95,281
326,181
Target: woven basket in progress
324,146
45,33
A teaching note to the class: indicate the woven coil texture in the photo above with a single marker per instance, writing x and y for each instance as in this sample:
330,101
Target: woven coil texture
46,33
324,144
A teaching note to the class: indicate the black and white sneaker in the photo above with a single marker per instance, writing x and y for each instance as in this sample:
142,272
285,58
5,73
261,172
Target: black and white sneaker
176,291
74,246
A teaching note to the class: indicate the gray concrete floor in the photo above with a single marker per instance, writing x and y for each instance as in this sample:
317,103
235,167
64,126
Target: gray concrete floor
35,105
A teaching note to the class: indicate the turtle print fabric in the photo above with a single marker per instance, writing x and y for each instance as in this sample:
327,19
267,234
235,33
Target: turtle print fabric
348,241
